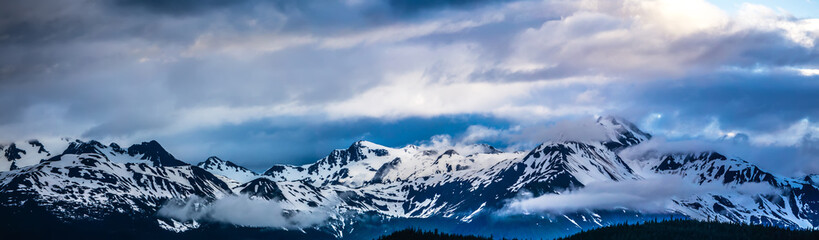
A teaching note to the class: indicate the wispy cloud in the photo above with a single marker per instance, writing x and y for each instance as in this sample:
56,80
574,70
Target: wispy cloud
652,195
130,70
242,211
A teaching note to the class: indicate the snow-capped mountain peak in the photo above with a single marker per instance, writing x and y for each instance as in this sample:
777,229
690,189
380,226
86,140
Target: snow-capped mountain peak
155,153
228,170
621,133
451,182
812,179
85,182
26,153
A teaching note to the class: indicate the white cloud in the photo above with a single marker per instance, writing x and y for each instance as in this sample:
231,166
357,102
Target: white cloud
677,18
209,116
801,31
396,33
413,95
791,136
808,71
478,133
658,146
265,41
243,211
581,129
244,45
647,39
131,76
653,195
524,137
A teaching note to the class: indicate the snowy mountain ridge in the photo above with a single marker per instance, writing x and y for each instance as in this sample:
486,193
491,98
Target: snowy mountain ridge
229,172
89,180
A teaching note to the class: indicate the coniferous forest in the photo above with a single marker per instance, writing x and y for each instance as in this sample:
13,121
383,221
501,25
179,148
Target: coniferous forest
666,230
417,234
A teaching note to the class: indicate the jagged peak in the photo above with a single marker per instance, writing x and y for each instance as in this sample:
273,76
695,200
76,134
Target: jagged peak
447,153
678,160
12,152
356,152
489,149
214,162
812,179
152,143
116,148
366,144
704,155
80,147
621,132
211,162
155,153
560,147
262,188
279,168
621,125
564,143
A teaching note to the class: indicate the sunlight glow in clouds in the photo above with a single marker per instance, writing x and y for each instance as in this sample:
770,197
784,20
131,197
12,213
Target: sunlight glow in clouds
191,72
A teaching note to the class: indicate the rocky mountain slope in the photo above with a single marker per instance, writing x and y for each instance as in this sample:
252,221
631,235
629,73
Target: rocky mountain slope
73,179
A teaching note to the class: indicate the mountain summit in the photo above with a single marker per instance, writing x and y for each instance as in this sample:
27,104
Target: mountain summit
229,172
366,182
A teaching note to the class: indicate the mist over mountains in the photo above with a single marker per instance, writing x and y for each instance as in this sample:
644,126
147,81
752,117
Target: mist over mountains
559,187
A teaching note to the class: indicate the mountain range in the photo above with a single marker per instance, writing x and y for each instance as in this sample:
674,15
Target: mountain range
368,189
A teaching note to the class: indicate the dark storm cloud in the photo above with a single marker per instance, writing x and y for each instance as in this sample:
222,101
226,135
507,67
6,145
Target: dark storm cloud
305,15
39,23
310,16
180,6
289,80
400,7
416,6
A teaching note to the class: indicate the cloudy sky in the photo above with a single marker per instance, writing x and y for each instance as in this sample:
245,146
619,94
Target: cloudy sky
260,82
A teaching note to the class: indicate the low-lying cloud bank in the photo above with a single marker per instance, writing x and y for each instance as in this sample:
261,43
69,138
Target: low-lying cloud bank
242,211
651,195
658,146
526,136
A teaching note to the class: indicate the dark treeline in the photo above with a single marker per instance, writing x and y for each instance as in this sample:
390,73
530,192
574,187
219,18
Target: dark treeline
417,234
666,229
690,229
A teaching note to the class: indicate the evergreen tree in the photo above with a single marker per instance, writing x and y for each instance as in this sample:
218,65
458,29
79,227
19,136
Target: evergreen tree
672,229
